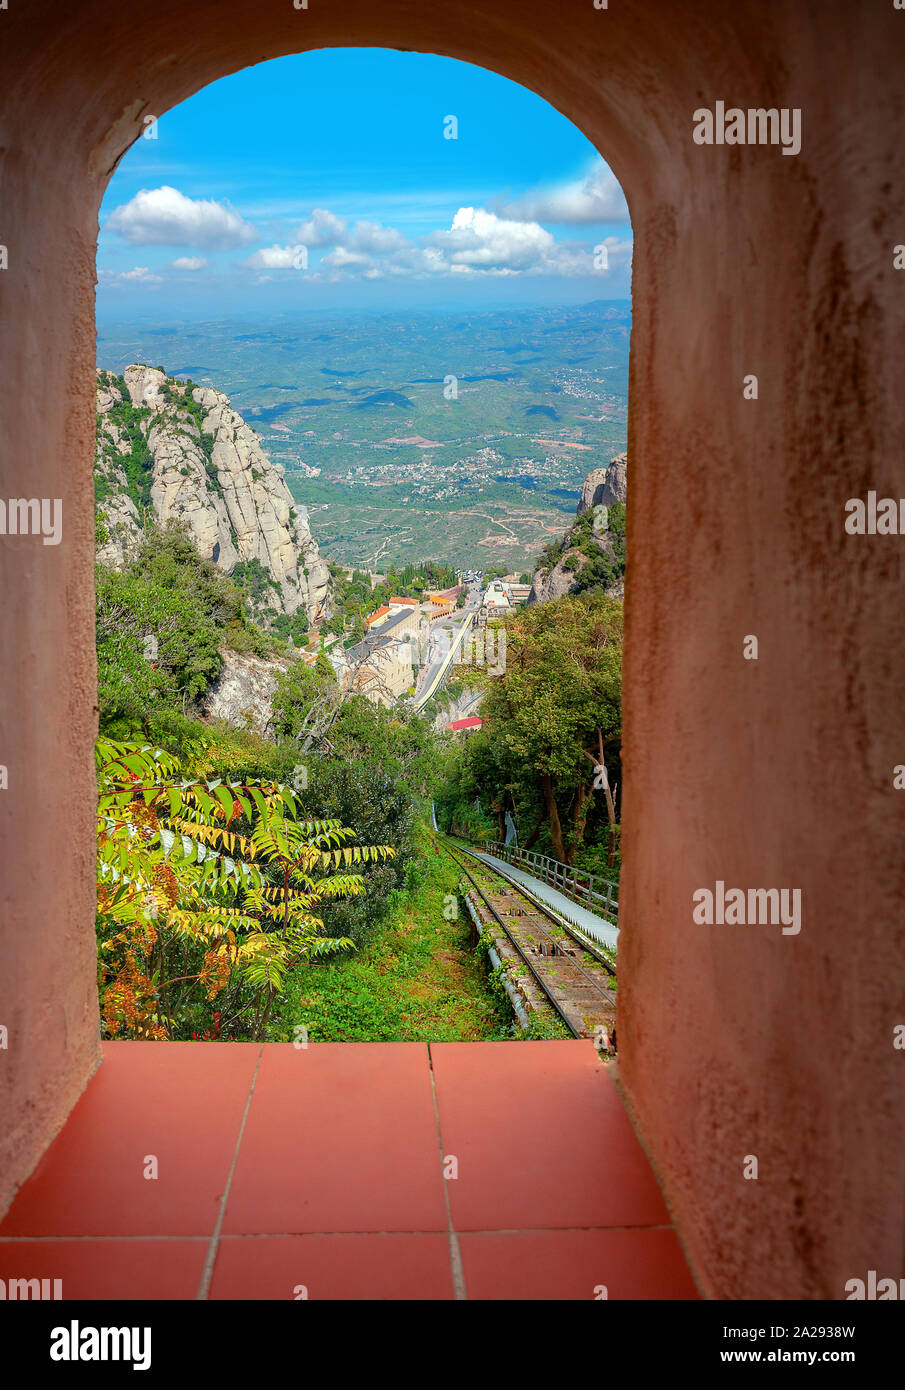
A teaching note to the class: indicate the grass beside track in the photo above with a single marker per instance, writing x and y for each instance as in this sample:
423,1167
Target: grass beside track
416,980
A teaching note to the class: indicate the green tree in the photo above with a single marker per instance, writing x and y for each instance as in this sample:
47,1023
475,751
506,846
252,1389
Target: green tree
559,699
160,623
305,701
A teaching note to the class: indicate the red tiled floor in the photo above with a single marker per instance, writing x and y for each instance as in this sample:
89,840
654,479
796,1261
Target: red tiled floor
109,1269
340,1137
334,1267
523,1265
338,1182
182,1103
541,1137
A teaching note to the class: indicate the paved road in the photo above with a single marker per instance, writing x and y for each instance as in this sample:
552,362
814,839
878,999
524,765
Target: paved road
453,631
435,672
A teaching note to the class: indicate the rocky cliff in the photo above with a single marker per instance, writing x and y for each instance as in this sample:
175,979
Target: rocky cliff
604,486
243,692
169,450
591,555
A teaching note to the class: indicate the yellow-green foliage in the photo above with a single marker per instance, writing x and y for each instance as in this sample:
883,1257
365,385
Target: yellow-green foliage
211,886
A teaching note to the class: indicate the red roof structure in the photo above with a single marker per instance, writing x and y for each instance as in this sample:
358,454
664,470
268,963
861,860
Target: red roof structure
473,722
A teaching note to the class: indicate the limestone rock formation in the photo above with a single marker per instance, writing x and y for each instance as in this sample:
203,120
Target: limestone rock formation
243,691
604,485
591,555
117,512
166,452
553,583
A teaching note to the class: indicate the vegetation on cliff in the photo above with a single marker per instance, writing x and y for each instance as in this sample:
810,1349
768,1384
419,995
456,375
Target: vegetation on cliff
594,560
161,622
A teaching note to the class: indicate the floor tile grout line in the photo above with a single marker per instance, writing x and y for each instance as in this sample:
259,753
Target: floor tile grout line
358,1234
455,1254
207,1273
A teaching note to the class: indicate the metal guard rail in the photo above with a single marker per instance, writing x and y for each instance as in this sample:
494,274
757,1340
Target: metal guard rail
578,884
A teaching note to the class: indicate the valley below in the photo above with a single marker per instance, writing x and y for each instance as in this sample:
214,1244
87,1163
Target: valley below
461,437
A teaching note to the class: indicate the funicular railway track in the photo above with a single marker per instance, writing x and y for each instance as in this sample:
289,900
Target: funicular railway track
577,981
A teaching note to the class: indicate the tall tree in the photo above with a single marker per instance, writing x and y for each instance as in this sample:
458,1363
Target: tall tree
559,695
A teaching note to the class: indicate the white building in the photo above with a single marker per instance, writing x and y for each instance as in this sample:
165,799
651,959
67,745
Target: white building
497,596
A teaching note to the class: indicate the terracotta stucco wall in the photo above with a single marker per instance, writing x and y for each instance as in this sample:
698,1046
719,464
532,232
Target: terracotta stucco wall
774,773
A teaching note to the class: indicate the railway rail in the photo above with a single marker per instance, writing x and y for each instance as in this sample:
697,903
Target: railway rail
573,978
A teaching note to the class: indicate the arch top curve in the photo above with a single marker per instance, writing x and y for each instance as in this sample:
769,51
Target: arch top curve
616,74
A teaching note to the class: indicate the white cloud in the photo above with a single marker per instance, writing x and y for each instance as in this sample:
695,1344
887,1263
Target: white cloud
165,217
376,240
619,253
326,229
274,258
597,197
141,275
418,260
480,240
322,228
188,263
342,259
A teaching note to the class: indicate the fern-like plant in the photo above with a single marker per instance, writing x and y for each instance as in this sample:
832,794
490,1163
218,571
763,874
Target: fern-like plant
185,899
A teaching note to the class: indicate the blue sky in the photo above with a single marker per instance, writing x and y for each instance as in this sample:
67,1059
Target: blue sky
325,181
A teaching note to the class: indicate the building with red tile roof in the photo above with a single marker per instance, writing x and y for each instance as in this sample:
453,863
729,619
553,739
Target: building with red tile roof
465,726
